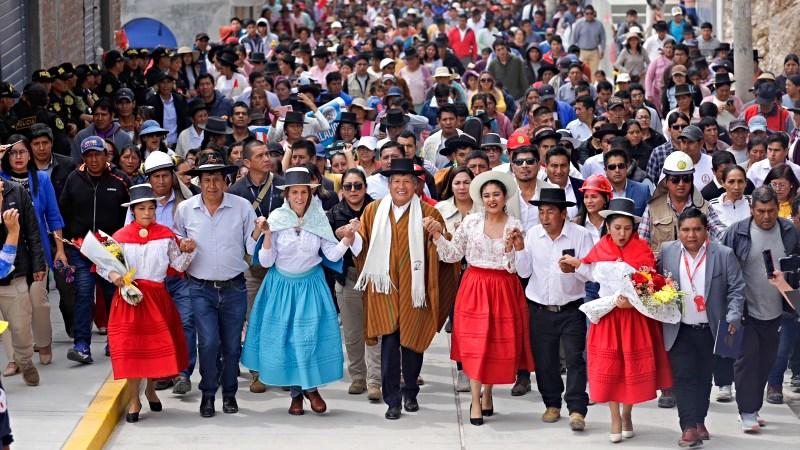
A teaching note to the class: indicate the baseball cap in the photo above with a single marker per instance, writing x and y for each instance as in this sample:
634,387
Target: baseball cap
615,102
7,91
678,69
92,144
691,133
201,36
677,11
766,93
737,124
125,94
546,92
42,76
757,123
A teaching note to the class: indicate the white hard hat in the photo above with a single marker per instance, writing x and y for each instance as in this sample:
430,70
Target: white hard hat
678,163
157,161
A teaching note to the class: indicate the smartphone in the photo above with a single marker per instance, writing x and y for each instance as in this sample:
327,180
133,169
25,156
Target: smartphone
568,251
768,264
478,112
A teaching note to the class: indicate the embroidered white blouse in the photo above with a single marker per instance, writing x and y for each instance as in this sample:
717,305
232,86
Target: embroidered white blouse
480,250
151,260
294,252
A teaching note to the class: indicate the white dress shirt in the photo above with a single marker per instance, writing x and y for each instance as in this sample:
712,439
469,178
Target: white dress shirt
222,239
758,171
170,119
569,193
529,214
296,253
593,166
690,315
579,130
539,261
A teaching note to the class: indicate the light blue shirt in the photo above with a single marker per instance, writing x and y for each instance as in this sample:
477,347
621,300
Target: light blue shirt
170,120
222,239
163,213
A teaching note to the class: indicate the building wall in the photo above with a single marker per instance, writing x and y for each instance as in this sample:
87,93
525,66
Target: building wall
185,18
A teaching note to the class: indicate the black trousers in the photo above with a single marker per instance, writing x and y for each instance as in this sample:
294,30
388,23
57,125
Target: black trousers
66,302
794,361
549,330
723,371
751,369
394,360
692,363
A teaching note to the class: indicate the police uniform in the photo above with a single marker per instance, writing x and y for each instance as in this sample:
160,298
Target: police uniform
110,83
134,78
8,119
27,115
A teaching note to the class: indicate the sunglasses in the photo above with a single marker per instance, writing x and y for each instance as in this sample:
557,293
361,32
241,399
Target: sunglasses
486,80
678,127
525,161
353,186
620,166
678,179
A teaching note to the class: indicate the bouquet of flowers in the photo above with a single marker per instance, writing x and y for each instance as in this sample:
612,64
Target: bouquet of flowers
652,294
106,254
656,291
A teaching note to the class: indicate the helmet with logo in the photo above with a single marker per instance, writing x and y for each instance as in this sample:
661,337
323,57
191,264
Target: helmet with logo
678,163
517,140
158,161
598,183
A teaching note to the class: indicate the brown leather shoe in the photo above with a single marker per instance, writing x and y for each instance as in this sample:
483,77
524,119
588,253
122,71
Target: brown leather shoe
45,355
256,386
11,369
551,415
31,375
296,409
317,403
690,438
702,432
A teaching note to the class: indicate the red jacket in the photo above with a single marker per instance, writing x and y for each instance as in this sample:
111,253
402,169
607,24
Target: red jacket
466,48
775,121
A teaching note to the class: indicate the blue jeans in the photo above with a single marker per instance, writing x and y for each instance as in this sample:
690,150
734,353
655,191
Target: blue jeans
178,288
219,318
85,281
296,391
790,330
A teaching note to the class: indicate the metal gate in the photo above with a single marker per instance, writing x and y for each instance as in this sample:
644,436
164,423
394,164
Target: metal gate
13,45
93,29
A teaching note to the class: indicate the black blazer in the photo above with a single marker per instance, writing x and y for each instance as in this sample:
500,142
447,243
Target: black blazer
62,167
181,110
576,185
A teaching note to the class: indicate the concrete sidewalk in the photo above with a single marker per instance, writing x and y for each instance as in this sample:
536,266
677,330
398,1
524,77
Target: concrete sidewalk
442,422
43,417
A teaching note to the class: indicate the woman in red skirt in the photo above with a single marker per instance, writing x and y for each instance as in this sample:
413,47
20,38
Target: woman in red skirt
627,362
147,340
490,326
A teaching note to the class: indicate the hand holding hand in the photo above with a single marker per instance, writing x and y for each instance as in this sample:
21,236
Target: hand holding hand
187,245
433,227
623,302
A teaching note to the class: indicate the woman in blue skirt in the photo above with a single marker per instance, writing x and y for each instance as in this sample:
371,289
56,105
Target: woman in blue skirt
293,336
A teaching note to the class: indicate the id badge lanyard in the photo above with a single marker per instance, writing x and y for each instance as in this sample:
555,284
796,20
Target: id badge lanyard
699,299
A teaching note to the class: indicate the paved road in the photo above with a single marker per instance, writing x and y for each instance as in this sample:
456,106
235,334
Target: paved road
441,423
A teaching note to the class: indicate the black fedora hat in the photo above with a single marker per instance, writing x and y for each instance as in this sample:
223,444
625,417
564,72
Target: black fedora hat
196,104
294,117
606,129
141,193
621,206
492,140
211,162
347,117
401,166
721,79
271,67
257,58
395,118
216,125
552,196
296,176
683,89
227,59
545,133
457,142
410,52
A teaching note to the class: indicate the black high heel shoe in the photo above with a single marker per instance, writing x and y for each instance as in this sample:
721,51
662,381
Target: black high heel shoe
474,421
486,412
155,406
132,417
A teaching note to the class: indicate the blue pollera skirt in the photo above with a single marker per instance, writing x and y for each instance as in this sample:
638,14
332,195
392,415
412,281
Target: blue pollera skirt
293,336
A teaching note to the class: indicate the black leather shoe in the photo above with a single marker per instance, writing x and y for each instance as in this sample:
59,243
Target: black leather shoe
229,405
411,405
132,417
393,413
155,406
207,407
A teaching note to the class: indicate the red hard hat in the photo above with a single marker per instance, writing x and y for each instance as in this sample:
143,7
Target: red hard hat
598,183
518,139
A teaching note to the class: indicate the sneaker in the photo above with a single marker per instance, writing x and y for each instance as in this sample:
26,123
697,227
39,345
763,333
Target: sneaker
163,384
761,422
80,353
577,422
725,394
775,395
182,385
750,422
521,387
795,381
666,400
462,382
374,392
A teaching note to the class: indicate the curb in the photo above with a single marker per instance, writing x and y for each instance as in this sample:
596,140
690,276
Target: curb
102,415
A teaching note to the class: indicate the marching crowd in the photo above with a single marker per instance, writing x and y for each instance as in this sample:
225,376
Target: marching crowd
330,184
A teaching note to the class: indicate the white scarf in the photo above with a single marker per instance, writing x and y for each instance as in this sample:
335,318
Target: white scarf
376,266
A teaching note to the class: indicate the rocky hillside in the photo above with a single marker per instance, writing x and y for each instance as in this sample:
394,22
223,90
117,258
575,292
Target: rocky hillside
776,24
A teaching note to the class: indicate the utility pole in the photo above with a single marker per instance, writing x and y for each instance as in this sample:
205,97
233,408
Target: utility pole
743,48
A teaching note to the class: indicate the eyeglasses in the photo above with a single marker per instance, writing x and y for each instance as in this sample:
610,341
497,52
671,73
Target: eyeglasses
353,186
18,153
776,185
678,179
677,127
620,166
525,161
486,80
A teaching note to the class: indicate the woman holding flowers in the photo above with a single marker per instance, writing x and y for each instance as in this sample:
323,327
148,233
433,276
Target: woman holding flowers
627,362
146,339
